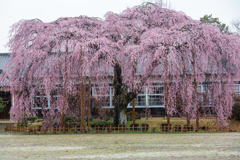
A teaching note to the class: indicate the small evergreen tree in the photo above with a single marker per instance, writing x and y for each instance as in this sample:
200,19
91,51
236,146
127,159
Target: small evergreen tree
215,21
1,105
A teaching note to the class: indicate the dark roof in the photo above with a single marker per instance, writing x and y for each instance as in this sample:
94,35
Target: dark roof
4,58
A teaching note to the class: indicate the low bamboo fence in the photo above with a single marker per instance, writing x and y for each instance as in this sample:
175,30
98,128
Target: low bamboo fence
122,129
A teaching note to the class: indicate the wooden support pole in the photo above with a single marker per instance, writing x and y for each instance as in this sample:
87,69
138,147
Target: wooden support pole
167,91
133,105
82,108
82,92
195,88
89,100
64,87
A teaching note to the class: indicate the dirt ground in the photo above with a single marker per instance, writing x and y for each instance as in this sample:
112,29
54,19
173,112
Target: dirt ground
121,146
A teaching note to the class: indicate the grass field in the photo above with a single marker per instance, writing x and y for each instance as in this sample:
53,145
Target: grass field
121,146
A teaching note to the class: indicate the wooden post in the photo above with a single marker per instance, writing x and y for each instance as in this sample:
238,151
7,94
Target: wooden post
82,92
82,108
64,85
167,91
133,105
89,100
195,88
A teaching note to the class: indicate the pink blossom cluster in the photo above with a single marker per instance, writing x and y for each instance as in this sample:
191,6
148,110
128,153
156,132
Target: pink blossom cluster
150,43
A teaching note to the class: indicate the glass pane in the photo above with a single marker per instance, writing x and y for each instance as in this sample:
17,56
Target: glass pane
140,101
155,100
40,102
105,101
101,91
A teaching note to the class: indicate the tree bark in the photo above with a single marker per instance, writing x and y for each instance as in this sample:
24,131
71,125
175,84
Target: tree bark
82,92
133,105
121,97
82,107
122,118
167,92
185,90
64,87
89,101
195,88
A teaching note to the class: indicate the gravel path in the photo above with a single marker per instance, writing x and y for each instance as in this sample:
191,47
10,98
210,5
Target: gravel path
121,146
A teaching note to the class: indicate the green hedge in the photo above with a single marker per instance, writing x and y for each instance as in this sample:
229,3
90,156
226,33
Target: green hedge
102,123
129,116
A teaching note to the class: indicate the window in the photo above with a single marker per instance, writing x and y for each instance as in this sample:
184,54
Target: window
40,100
236,89
54,96
106,100
207,98
156,98
141,98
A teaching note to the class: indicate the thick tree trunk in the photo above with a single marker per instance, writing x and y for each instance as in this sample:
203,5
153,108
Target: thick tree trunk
133,110
117,82
121,97
122,118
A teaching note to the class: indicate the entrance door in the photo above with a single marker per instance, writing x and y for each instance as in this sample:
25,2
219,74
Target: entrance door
6,101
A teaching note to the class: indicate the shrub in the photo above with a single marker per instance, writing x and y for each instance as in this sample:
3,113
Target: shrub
236,111
164,127
69,119
134,126
90,119
129,115
144,127
32,118
19,124
1,105
177,128
39,120
102,124
107,118
187,127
